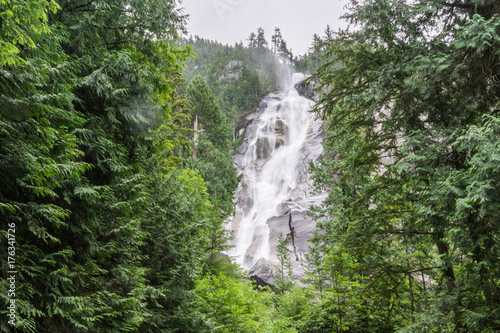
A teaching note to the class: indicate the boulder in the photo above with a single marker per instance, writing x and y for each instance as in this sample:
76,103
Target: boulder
277,97
262,105
262,273
305,89
243,122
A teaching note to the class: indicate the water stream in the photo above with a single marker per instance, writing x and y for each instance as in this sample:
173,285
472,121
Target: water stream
273,159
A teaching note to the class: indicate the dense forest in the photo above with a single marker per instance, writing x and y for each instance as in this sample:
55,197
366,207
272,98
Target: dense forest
116,177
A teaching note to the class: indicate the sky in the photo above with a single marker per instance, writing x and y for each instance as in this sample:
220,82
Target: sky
232,21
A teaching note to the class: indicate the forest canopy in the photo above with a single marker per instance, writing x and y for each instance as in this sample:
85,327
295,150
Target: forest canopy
412,164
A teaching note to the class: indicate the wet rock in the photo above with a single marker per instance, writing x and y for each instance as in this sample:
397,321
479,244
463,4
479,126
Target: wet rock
238,216
305,89
276,97
245,198
258,237
279,143
262,273
284,209
242,124
247,204
281,132
262,105
303,227
279,127
263,148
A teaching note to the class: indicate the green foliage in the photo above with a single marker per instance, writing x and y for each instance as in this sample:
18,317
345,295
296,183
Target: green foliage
295,303
409,162
242,94
283,269
211,119
232,305
21,24
174,250
213,158
116,226
313,59
343,284
260,74
216,167
111,229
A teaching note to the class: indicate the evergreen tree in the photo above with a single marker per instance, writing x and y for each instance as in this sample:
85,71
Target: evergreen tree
284,52
283,269
276,40
206,108
22,24
401,163
215,164
92,132
240,94
261,41
316,50
252,40
312,268
232,305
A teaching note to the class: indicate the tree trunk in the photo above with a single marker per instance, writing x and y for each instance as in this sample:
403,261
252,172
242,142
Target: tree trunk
412,301
196,135
450,281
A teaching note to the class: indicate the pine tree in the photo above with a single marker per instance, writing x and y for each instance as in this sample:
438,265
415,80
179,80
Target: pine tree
314,261
342,298
284,52
316,50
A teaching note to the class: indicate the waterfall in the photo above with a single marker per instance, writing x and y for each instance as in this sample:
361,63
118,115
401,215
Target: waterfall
273,159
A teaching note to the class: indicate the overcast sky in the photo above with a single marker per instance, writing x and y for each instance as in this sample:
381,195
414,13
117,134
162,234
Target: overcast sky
231,21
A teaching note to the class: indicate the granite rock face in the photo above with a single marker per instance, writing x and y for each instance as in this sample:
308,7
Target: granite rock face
234,64
298,229
247,118
232,70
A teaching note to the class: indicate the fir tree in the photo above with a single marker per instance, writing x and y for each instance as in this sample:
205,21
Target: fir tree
283,269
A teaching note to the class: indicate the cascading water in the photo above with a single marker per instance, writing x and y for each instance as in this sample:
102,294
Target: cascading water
273,159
